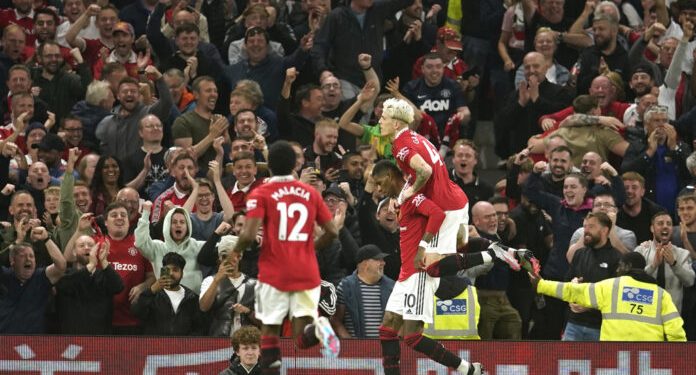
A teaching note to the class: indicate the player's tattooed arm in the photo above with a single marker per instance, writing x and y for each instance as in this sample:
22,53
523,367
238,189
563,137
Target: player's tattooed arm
423,173
580,119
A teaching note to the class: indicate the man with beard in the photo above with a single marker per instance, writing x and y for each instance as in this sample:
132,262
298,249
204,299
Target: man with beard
27,288
668,264
605,51
464,162
560,164
200,127
323,149
119,132
84,295
244,171
60,89
23,217
45,22
168,308
634,118
133,268
642,82
594,262
352,172
246,123
660,158
122,53
49,151
71,131
637,211
182,165
362,296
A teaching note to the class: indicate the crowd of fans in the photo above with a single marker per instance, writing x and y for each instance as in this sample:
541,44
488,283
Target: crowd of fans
134,130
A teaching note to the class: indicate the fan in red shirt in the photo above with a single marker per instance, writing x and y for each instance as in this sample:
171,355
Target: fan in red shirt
289,282
94,49
21,15
411,301
135,271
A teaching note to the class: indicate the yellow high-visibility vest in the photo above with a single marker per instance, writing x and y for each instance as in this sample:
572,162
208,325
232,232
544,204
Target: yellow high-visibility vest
454,15
456,318
632,310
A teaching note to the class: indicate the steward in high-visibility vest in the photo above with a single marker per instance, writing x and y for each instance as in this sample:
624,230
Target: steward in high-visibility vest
633,307
456,311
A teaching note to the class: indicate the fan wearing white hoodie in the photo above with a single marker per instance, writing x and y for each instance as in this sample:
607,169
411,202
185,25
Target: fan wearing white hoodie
177,238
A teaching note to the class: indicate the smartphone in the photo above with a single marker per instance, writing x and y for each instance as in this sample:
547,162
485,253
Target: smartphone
164,271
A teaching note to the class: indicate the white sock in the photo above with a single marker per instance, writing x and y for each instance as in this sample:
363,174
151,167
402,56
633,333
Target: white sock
487,258
464,366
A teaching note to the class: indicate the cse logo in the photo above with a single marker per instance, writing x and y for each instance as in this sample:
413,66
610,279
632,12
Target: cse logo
637,295
451,307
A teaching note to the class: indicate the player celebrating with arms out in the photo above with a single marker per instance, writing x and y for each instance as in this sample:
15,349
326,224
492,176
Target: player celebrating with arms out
289,281
411,301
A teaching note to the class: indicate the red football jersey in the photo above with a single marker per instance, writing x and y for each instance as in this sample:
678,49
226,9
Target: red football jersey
417,216
439,188
131,266
289,209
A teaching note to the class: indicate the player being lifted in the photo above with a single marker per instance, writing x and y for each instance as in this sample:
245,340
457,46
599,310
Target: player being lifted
289,281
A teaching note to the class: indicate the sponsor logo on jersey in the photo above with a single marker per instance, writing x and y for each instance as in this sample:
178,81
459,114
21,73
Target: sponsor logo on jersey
402,154
451,307
125,266
431,105
637,295
250,204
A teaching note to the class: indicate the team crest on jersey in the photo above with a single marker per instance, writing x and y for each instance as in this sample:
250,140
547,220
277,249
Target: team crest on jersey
402,154
132,251
250,204
418,199
445,93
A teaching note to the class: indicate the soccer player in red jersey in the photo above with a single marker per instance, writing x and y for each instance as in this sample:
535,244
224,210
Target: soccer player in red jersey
289,281
411,301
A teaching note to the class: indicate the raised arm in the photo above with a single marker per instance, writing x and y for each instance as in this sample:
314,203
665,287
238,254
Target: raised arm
223,198
56,270
71,36
345,122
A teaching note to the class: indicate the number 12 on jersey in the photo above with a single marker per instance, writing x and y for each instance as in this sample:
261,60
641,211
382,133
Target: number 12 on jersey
292,211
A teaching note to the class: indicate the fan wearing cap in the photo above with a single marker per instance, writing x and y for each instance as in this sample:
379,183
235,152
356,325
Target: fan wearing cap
448,44
50,150
340,254
362,296
227,294
124,37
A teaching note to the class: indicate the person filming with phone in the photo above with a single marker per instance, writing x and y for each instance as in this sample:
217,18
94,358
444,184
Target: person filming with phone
168,308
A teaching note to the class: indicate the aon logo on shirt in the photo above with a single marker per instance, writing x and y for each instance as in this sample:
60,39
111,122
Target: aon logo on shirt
435,105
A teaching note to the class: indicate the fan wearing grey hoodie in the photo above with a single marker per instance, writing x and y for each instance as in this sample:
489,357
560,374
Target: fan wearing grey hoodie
176,230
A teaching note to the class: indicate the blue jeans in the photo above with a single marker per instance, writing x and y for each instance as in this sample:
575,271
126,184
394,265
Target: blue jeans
576,332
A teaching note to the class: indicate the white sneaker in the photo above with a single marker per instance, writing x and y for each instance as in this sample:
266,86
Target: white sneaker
504,255
330,345
473,368
476,368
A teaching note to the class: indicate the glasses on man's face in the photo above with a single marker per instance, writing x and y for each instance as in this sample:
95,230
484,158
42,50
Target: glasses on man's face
604,205
332,200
